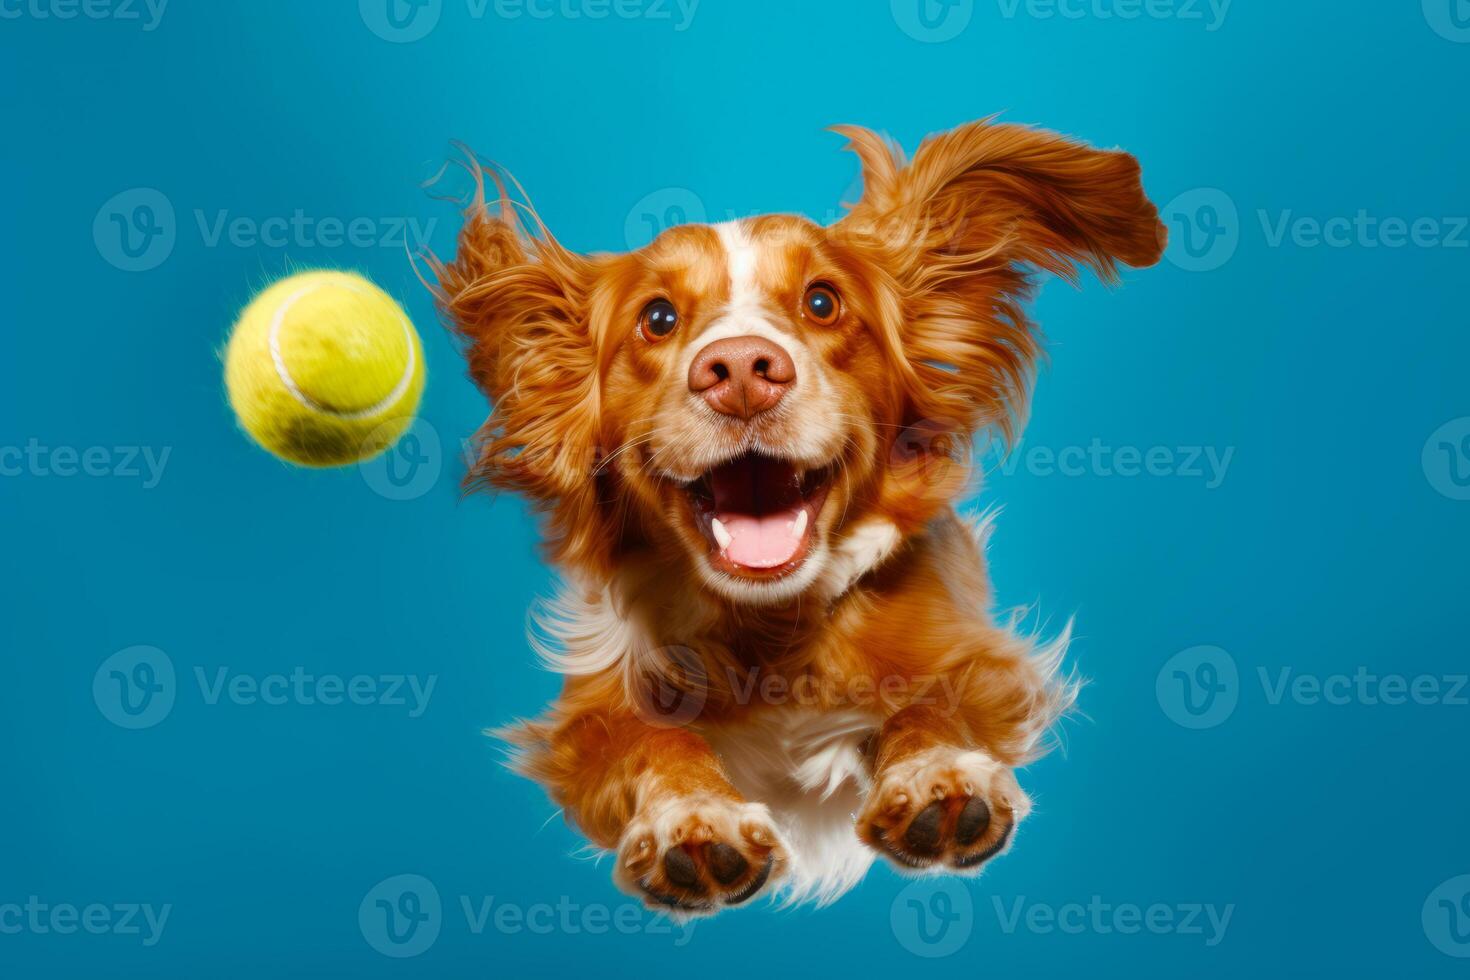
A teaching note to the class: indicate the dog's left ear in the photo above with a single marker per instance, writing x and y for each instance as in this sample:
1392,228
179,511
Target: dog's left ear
520,303
960,228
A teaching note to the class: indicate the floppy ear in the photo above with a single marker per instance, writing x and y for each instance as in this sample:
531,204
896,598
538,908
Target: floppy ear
961,228
519,301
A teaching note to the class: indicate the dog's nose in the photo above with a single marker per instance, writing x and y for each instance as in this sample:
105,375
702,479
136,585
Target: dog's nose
741,376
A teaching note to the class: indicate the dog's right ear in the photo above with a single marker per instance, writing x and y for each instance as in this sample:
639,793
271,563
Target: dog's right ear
519,300
961,229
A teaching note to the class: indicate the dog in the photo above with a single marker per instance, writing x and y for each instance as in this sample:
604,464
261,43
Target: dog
747,441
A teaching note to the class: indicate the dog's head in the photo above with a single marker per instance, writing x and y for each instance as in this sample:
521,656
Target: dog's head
770,405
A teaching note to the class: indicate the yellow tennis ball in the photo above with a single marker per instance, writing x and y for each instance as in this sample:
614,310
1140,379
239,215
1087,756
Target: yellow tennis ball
324,369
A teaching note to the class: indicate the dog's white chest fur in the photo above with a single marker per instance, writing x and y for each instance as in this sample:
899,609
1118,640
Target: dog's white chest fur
808,767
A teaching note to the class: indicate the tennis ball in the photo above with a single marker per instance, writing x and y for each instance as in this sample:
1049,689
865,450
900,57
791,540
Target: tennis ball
324,369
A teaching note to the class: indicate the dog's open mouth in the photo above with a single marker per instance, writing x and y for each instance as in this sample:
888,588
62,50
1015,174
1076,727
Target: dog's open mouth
758,513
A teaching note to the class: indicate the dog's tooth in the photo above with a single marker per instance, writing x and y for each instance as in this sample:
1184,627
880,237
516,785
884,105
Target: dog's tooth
722,536
799,528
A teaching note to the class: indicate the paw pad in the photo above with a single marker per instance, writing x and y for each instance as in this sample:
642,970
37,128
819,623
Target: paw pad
696,856
948,806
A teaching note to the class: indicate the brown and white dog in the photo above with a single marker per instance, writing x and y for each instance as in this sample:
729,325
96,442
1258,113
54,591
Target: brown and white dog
747,440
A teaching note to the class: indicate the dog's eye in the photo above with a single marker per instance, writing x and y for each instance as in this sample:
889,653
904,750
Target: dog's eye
658,320
821,304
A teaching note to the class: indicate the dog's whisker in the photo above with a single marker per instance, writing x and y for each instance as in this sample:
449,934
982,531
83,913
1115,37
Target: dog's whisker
619,451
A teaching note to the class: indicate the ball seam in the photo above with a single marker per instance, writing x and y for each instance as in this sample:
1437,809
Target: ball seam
306,400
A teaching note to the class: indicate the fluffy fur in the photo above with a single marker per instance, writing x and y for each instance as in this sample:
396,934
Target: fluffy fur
726,728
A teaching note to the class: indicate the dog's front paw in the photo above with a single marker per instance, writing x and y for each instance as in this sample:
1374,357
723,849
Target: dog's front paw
946,805
697,854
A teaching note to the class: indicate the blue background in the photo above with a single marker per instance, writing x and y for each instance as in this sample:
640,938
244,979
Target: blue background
1327,547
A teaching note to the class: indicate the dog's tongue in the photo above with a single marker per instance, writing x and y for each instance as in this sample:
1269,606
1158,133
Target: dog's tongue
758,504
765,541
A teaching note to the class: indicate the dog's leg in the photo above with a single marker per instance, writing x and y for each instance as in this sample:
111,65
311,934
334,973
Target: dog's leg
685,840
937,798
